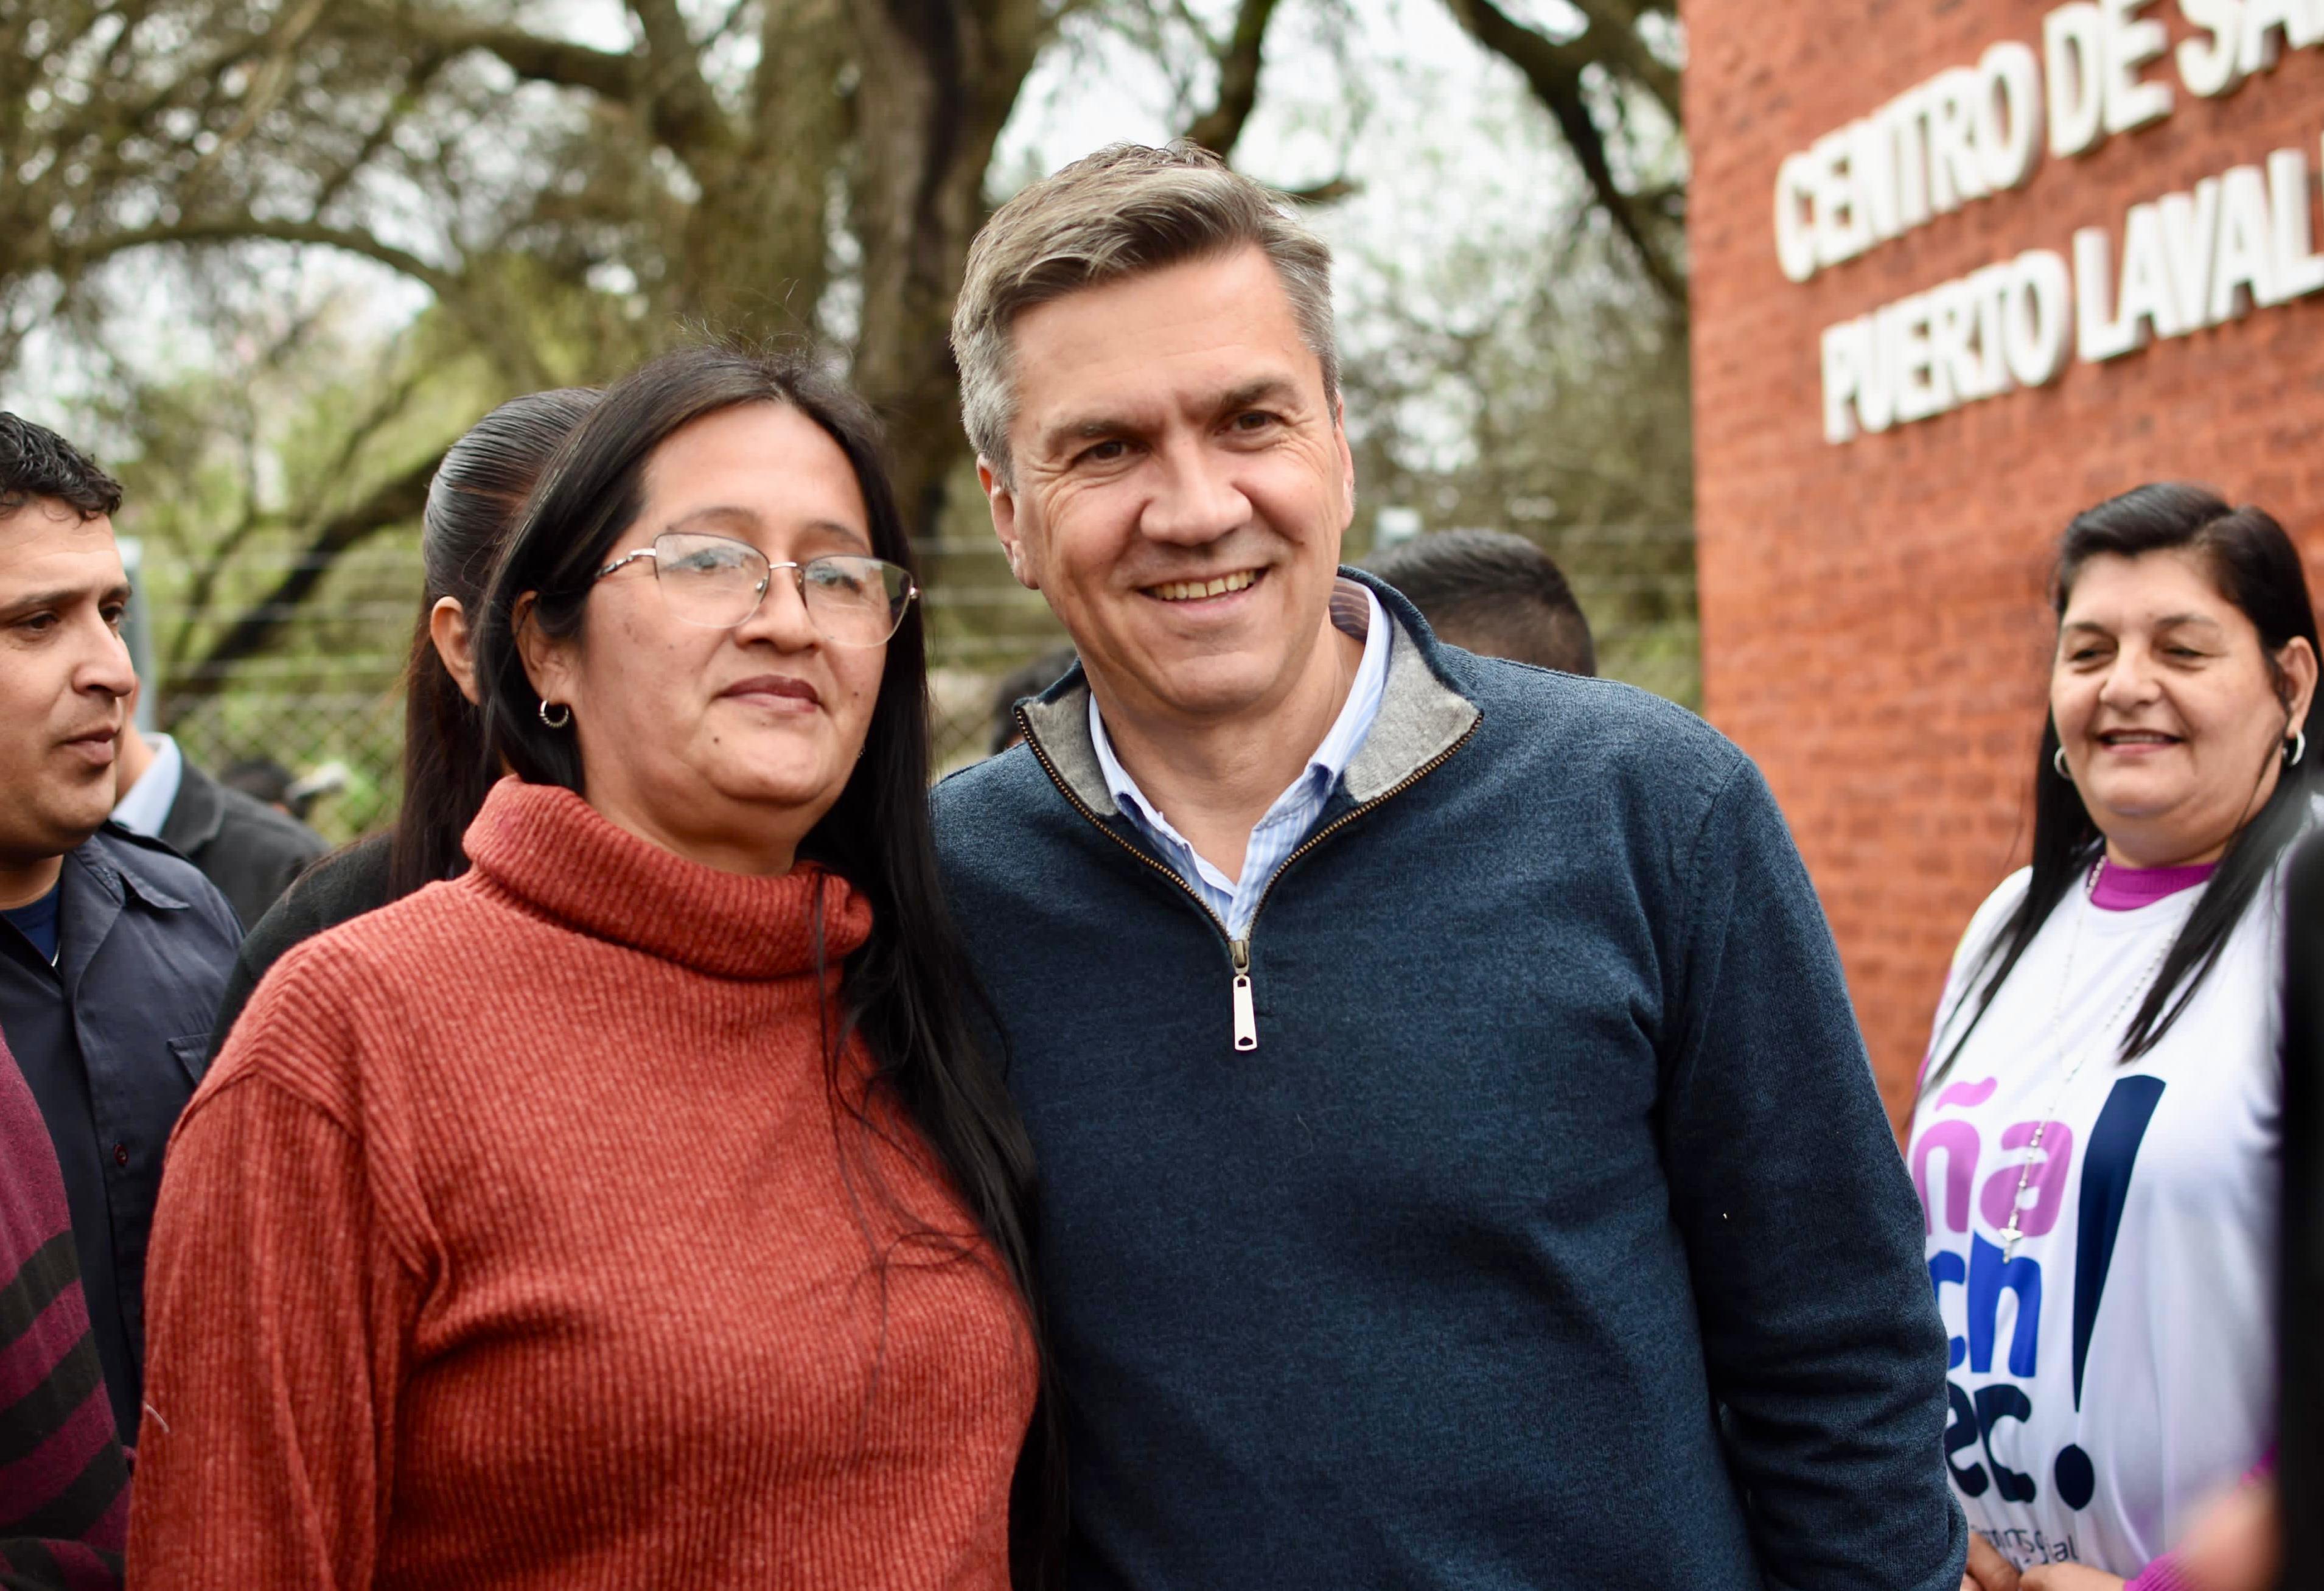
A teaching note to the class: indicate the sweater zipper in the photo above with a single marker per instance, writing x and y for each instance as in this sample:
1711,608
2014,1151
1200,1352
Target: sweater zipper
1246,1017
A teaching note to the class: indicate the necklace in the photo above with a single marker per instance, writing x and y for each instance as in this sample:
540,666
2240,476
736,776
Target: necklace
2072,1068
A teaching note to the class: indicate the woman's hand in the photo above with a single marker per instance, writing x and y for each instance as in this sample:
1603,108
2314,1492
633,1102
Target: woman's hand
2233,1546
1987,1569
2069,1577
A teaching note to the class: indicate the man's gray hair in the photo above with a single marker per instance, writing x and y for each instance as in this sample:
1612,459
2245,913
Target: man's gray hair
1122,212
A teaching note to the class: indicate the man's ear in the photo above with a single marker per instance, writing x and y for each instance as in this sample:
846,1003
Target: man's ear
1001,499
1347,459
548,663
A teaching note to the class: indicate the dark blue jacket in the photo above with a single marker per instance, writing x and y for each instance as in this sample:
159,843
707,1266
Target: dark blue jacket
113,1040
1553,1235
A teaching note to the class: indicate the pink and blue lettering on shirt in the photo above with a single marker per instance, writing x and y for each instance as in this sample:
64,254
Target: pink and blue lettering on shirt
2097,1232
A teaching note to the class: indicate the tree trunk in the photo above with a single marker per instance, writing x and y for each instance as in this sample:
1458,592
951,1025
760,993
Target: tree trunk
939,77
757,252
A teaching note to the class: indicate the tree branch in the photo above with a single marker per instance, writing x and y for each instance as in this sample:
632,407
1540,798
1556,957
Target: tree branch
664,84
423,71
268,85
683,113
1620,49
395,502
530,56
248,228
1555,73
1331,190
1239,62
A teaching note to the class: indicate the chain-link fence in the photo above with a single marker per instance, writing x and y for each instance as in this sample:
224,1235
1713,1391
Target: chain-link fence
323,701
326,700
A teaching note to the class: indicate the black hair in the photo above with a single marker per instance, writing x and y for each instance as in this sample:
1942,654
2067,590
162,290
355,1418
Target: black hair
2255,567
905,990
1025,680
35,462
473,504
1495,593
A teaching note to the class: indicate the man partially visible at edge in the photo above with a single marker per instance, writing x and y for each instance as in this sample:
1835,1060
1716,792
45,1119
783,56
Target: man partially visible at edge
1460,1164
252,851
114,950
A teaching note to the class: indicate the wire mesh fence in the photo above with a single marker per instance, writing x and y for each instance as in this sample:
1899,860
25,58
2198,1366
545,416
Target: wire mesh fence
326,701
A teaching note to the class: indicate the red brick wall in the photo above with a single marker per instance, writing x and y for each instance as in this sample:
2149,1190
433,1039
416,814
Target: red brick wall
1873,630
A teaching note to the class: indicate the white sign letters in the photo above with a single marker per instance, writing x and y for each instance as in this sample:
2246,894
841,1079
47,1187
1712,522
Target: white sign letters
2184,261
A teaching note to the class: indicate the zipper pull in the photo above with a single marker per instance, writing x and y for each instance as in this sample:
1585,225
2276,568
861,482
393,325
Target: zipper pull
1246,1020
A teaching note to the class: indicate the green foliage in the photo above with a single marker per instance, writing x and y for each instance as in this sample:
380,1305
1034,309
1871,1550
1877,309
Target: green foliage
228,462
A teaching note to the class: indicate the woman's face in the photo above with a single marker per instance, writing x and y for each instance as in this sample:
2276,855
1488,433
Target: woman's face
725,746
2170,718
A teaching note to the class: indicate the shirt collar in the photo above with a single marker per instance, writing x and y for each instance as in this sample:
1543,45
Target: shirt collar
1331,759
146,807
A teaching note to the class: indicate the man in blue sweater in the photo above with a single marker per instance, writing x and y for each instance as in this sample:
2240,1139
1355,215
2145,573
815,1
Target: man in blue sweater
1459,1163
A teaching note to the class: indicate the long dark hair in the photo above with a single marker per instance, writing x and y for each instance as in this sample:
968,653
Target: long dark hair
472,506
905,989
2255,567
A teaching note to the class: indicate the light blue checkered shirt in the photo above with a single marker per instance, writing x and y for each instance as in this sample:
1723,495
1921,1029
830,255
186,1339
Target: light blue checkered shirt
1294,814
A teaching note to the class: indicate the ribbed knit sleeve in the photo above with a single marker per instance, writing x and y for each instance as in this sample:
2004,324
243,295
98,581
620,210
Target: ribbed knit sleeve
281,1316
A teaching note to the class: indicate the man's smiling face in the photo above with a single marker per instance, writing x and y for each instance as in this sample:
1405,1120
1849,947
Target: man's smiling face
1180,487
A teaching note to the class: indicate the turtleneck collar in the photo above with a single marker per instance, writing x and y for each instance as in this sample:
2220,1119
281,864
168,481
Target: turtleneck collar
2118,888
552,850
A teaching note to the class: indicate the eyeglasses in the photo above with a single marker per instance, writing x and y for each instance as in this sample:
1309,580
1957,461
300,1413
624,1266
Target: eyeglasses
717,582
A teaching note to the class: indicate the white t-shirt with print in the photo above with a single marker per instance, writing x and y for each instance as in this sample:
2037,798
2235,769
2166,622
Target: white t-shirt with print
2118,1369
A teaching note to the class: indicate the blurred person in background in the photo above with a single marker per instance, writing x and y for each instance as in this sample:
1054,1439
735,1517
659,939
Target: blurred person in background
64,1482
472,504
2269,1533
1459,1163
2244,1546
1017,685
2099,1127
263,779
632,1211
266,780
329,779
1493,594
113,949
250,850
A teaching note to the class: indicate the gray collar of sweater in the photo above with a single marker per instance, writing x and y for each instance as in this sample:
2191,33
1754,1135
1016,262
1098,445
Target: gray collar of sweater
1421,718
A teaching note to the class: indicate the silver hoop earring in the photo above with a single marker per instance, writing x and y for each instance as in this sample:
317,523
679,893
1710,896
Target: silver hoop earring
564,715
2058,761
2295,748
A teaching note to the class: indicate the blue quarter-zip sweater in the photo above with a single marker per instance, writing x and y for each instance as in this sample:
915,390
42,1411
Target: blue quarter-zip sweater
1558,1141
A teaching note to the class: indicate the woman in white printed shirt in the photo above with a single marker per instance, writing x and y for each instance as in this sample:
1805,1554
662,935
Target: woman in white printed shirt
2096,1141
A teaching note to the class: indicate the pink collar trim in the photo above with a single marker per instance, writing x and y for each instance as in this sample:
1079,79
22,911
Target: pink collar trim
2127,889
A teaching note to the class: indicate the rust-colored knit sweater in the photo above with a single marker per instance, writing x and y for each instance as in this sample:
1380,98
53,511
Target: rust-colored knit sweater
515,1241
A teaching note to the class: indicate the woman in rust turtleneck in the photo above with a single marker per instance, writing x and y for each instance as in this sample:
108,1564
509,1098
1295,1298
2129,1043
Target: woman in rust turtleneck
633,1211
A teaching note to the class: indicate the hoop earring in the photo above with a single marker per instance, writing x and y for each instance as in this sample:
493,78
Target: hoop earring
564,715
2058,761
2295,748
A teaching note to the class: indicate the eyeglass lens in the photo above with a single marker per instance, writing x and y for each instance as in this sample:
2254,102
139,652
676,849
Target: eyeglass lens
717,582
